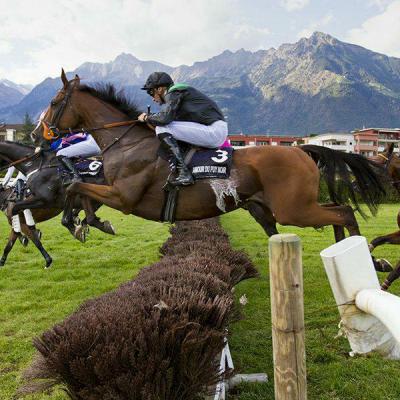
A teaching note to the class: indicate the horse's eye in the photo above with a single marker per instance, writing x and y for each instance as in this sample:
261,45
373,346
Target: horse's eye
53,102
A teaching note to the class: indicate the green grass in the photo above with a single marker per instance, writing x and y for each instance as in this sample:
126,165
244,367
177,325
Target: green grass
33,299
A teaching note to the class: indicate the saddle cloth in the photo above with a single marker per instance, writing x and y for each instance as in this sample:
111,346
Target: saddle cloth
211,163
86,167
205,163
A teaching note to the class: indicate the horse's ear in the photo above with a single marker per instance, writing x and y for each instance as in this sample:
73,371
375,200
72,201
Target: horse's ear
64,78
77,79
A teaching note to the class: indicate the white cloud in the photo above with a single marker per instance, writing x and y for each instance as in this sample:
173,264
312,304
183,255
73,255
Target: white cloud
5,47
42,36
292,5
315,26
380,33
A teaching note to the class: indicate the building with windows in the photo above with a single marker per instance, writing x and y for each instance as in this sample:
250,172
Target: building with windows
242,140
370,141
9,132
337,141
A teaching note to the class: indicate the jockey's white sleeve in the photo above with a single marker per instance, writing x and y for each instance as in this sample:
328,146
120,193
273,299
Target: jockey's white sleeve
8,176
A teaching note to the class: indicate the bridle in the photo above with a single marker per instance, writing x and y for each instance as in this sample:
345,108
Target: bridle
51,127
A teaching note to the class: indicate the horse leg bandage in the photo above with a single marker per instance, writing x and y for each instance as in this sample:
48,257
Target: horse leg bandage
16,223
29,218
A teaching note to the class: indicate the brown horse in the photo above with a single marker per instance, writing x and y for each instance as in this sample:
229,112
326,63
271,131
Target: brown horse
282,181
391,162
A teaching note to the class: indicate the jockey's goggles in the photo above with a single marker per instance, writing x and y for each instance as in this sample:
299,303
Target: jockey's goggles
150,92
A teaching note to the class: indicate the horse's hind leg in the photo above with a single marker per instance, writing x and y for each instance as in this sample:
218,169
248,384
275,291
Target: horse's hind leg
10,244
317,216
263,216
33,234
93,220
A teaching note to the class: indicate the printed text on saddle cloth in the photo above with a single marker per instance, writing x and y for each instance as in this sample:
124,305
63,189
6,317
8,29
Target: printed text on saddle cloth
213,163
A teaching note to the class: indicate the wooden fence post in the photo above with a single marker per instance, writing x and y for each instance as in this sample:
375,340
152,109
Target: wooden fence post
287,308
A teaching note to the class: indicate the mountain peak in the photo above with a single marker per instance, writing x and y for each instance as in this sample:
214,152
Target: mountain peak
322,38
126,58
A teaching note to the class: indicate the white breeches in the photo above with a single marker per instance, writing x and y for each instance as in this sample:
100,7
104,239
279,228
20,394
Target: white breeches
87,148
21,176
211,136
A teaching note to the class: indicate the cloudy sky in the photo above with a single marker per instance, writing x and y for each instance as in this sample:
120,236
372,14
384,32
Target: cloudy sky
38,37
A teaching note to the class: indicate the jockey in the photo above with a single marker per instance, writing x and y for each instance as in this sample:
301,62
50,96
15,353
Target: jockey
187,115
79,144
19,184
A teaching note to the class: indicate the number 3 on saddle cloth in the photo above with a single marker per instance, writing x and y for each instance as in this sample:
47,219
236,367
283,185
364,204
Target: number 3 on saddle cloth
203,164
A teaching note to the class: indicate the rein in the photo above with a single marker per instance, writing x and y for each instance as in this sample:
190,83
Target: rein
21,160
106,126
117,139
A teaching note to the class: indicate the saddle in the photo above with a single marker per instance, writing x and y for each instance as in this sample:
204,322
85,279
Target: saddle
203,163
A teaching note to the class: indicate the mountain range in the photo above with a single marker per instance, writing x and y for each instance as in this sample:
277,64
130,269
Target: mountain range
11,93
318,84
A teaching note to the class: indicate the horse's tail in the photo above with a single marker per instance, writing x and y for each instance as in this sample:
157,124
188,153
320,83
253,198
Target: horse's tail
348,176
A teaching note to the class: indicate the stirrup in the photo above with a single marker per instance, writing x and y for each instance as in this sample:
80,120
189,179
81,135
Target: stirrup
183,179
70,180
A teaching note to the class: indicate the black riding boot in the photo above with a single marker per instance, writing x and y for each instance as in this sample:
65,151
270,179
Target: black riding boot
20,189
184,177
68,163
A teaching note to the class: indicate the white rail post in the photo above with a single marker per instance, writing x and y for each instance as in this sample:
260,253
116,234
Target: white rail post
355,287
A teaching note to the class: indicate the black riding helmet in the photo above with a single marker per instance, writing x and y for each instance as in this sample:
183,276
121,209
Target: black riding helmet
157,79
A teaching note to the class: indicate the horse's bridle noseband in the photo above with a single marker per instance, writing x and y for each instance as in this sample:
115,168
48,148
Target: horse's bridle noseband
52,125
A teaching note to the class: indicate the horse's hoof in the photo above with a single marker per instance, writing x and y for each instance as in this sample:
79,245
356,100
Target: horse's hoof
24,240
383,265
77,221
81,233
48,263
2,262
109,228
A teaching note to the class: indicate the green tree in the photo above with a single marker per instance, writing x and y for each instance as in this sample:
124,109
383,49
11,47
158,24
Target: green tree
27,128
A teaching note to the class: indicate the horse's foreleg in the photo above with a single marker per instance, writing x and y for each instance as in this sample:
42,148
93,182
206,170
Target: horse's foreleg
68,217
395,274
11,240
391,238
263,216
33,234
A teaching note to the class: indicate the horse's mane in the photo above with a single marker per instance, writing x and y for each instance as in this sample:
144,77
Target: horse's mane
117,98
